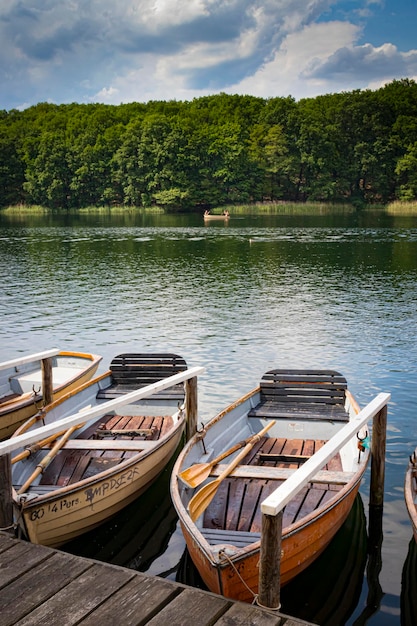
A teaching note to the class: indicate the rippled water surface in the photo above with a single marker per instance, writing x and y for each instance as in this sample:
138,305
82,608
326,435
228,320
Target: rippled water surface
261,292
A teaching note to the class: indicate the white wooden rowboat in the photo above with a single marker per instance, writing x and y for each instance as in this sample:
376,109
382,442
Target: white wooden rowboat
295,413
98,447
21,383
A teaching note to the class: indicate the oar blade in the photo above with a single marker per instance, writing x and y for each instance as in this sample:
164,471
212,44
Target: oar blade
196,474
200,501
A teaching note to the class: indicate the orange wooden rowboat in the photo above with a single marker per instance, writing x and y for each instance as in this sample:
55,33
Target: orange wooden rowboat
410,491
308,407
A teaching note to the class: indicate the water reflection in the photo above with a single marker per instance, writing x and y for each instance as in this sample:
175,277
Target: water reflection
409,587
334,292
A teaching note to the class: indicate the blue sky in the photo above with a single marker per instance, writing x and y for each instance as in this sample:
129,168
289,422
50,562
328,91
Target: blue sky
141,50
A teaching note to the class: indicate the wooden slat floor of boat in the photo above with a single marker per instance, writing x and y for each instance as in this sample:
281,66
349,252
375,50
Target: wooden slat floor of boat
70,466
236,505
40,585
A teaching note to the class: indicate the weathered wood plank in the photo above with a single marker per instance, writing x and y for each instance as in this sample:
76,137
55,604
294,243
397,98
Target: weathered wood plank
191,607
92,587
40,584
243,615
141,600
18,557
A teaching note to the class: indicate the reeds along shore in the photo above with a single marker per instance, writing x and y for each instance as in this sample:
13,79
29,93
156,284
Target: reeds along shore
265,208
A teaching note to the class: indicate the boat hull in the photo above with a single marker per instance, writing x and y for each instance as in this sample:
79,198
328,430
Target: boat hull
58,517
299,548
69,371
105,463
410,493
223,537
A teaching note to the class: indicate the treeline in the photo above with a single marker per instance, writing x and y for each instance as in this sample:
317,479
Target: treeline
358,146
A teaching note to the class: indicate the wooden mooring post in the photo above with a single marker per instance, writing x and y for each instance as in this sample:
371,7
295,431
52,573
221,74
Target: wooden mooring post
47,381
6,498
191,407
269,588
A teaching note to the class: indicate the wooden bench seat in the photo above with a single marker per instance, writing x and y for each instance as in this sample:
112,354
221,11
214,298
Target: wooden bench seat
108,444
133,371
236,538
265,472
302,394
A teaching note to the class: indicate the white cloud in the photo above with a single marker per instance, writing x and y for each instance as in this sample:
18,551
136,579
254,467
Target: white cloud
284,74
97,50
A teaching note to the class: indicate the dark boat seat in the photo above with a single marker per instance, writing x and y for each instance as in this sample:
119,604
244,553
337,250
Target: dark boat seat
133,371
302,394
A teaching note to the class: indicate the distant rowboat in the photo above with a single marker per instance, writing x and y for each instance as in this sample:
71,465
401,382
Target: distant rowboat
21,382
209,217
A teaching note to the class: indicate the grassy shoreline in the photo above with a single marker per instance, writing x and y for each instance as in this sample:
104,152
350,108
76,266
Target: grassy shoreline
272,208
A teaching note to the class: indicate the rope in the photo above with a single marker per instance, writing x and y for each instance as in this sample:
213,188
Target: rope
255,595
269,608
229,560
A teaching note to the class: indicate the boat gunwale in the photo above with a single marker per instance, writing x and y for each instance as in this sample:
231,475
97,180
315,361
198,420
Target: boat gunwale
409,496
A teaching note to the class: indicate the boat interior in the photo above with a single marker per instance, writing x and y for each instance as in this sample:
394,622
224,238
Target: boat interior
112,439
107,442
234,516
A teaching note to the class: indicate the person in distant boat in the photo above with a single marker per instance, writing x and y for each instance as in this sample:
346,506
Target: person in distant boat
206,212
226,213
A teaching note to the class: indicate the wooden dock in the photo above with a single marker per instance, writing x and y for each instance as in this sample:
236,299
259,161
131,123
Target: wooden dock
40,585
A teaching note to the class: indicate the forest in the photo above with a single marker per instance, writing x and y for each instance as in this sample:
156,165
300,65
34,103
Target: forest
358,147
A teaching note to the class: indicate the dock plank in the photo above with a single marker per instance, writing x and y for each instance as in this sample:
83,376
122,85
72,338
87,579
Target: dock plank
238,617
190,608
76,600
40,585
17,560
142,598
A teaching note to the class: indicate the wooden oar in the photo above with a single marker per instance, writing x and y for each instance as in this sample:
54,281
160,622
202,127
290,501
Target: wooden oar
21,398
48,458
200,501
36,446
197,474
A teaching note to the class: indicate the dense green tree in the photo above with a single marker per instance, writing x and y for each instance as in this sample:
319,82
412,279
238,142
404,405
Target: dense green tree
358,146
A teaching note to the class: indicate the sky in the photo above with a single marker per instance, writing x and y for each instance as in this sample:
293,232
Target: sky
118,51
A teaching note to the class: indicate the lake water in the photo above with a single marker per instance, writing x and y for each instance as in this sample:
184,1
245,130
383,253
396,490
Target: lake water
334,292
